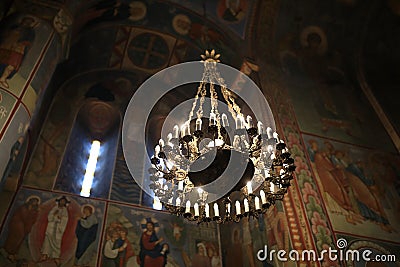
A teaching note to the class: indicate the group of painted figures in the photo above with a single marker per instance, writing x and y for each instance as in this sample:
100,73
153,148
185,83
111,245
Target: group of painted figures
60,229
349,185
118,250
49,229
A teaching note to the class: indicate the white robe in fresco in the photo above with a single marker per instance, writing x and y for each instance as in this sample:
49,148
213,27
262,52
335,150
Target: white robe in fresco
57,221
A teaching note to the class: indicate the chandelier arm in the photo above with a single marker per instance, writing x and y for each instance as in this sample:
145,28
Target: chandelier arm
227,94
196,98
203,93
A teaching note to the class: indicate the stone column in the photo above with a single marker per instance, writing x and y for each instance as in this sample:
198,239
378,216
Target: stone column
31,46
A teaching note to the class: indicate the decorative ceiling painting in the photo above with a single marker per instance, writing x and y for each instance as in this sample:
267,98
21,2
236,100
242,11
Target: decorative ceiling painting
170,18
234,14
318,66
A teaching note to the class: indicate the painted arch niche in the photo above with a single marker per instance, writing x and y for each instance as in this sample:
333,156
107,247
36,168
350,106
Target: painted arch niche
95,121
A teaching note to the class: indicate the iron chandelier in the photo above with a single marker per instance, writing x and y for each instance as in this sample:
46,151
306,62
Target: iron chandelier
261,160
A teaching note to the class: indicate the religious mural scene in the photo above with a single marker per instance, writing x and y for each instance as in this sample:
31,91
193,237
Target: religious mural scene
352,181
47,229
139,237
245,239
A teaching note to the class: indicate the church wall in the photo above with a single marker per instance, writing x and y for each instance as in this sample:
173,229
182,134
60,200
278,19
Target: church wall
342,151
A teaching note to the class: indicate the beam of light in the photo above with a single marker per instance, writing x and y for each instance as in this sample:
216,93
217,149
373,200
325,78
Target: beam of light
90,169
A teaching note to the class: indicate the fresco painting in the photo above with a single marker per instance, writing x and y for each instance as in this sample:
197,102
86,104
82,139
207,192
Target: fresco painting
15,43
48,154
15,141
326,101
124,187
48,229
352,181
140,237
7,102
243,240
21,46
184,23
147,50
95,121
47,66
232,13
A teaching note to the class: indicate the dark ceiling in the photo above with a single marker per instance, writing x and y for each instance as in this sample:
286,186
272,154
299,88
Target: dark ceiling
353,35
349,36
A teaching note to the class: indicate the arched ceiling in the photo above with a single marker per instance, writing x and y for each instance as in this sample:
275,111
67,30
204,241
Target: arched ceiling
335,34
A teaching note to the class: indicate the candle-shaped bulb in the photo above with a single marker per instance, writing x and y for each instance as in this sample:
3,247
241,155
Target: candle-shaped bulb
187,210
169,137
156,150
269,132
185,129
198,124
196,209
260,127
275,135
180,186
213,119
249,122
178,201
200,191
207,210
272,188
237,205
176,131
161,143
216,210
257,203
249,188
239,121
225,122
246,205
157,204
263,198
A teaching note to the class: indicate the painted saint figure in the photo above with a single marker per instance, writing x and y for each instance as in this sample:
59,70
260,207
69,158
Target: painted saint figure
110,250
152,253
14,44
20,225
86,232
57,222
200,259
15,149
127,252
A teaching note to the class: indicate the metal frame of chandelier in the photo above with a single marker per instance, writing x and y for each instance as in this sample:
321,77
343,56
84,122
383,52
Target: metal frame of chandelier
170,174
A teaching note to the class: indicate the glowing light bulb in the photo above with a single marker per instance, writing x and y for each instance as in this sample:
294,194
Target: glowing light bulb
225,122
198,124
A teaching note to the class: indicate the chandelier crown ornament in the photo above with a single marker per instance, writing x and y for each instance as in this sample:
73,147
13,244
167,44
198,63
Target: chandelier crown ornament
189,168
